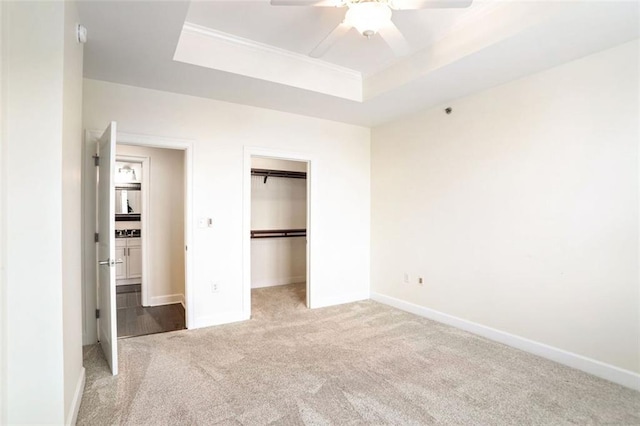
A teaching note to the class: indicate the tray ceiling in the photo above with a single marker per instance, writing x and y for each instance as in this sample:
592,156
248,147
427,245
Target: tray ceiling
253,53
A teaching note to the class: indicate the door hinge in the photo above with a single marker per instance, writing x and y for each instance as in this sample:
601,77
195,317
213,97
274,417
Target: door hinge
96,160
96,237
97,313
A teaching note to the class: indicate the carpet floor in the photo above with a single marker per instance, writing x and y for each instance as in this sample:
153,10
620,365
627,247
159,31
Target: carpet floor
354,364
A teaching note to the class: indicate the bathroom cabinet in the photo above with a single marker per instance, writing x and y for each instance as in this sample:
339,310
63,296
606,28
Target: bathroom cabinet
130,251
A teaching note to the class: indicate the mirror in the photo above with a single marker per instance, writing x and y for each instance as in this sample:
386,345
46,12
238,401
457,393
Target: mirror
128,201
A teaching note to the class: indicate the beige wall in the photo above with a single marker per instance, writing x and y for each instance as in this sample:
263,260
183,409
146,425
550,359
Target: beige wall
3,141
520,209
3,299
278,203
72,208
220,133
42,362
165,237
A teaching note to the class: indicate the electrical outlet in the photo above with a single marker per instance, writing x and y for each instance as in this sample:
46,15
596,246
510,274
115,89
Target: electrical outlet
406,278
214,287
420,281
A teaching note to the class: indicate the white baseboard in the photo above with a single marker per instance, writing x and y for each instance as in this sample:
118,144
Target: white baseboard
339,299
600,369
225,318
72,417
273,282
166,299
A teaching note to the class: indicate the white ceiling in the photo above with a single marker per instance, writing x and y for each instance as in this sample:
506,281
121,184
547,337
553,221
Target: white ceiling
455,52
300,28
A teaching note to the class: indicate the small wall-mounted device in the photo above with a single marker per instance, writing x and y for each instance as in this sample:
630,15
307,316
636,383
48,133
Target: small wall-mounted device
81,33
448,110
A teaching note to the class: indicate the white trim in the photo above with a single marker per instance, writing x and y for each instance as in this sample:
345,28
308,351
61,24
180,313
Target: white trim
153,142
310,191
89,273
246,218
221,51
600,369
187,146
77,399
190,27
167,299
275,282
144,220
341,299
226,318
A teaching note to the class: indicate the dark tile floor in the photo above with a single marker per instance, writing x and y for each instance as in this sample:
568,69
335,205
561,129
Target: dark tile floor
136,320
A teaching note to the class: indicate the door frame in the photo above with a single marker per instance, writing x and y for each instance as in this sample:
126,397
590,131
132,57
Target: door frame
246,218
144,218
89,297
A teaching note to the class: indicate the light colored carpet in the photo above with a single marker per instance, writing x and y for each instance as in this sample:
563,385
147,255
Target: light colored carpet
361,363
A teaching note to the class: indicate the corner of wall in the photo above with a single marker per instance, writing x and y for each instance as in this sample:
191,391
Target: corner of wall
3,302
74,406
72,210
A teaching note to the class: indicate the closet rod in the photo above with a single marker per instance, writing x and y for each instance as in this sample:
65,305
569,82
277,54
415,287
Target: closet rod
267,173
278,233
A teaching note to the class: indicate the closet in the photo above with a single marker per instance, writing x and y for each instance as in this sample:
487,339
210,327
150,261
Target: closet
278,222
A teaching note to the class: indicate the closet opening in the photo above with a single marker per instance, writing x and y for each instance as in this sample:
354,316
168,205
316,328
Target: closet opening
278,235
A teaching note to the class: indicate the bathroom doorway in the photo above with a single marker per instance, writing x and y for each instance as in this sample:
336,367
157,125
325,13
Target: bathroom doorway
149,231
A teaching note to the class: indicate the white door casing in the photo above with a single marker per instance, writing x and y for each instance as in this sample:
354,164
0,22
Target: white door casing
89,216
250,152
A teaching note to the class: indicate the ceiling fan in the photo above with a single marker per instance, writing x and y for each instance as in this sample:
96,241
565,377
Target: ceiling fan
371,17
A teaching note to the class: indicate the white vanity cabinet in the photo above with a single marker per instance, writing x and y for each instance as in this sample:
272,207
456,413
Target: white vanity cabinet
121,254
129,250
134,258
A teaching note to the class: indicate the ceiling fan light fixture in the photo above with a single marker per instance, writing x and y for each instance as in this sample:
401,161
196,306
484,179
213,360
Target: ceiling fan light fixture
368,17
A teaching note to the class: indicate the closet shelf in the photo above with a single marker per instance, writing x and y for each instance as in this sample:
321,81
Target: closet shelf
278,233
278,173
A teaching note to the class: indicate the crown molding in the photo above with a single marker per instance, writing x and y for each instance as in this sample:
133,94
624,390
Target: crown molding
190,27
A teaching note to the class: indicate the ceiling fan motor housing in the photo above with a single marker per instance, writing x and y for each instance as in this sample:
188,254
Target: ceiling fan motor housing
368,16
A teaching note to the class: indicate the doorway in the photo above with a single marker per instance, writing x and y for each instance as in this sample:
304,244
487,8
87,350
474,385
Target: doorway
99,301
150,280
277,222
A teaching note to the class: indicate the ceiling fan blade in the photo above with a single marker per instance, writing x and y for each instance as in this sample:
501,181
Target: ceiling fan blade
430,4
328,41
394,38
324,3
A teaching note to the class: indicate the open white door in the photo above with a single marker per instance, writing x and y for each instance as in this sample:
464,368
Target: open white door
107,330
